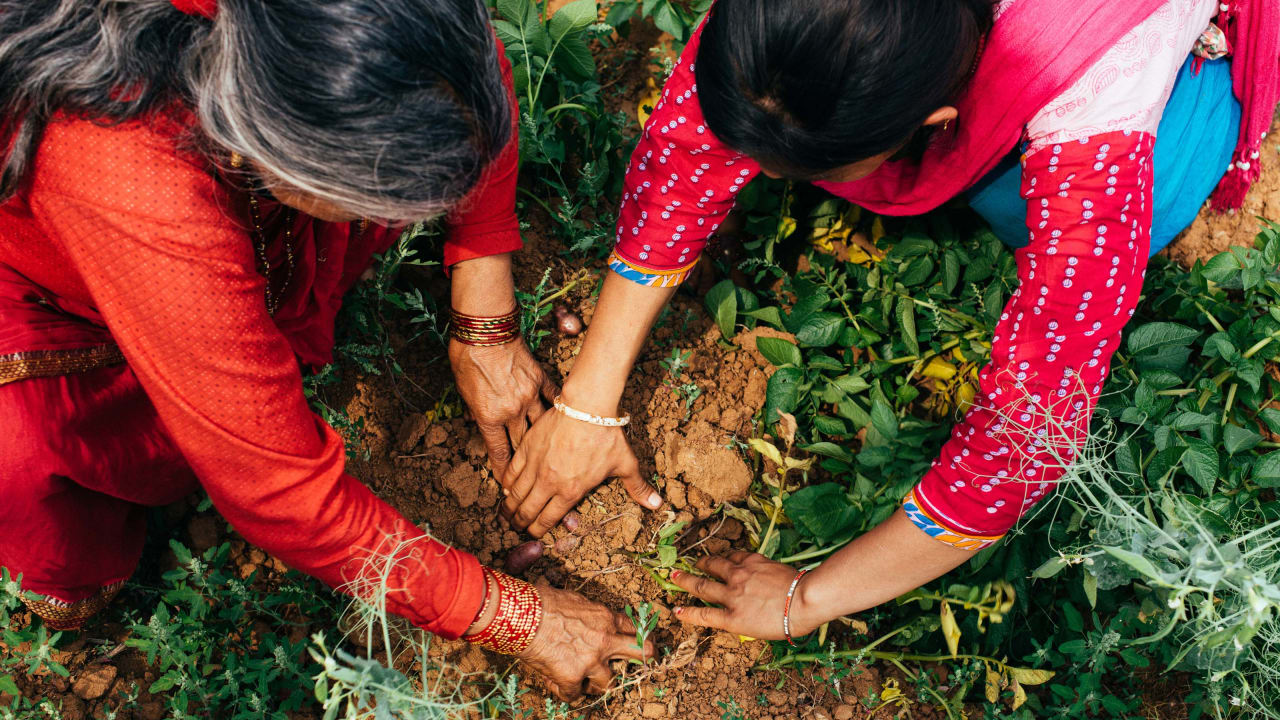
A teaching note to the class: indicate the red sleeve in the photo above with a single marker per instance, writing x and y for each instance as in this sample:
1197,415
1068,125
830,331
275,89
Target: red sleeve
680,184
485,222
1089,217
174,279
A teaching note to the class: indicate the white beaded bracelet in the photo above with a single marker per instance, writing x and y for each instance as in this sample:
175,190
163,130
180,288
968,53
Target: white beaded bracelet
588,417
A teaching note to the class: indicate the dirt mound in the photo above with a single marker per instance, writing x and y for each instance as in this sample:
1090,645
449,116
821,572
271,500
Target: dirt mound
1213,232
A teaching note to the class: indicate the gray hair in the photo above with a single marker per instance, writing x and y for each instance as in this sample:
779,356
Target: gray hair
388,108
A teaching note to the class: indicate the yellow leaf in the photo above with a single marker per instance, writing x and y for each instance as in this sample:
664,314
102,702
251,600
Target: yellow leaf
746,638
964,396
955,353
950,630
939,369
822,633
1029,676
877,230
767,450
1019,695
786,227
993,685
648,102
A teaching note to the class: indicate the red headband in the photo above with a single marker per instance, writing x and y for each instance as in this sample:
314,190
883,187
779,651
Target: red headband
207,8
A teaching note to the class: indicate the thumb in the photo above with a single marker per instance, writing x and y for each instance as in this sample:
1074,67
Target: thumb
639,490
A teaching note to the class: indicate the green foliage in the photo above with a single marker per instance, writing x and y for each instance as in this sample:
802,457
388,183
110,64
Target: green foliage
569,142
225,645
678,19
1159,551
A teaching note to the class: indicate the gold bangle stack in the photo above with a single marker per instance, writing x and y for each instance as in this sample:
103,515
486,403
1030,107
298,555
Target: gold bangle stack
519,614
484,331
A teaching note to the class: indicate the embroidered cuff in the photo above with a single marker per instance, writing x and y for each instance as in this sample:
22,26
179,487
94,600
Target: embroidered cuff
649,276
940,532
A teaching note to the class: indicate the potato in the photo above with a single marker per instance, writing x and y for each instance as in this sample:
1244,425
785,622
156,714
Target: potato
522,556
571,521
567,321
567,544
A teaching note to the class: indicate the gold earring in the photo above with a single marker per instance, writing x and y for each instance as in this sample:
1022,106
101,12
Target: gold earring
237,160
945,124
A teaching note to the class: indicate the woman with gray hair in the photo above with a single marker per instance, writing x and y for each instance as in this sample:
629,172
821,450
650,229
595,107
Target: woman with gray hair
187,188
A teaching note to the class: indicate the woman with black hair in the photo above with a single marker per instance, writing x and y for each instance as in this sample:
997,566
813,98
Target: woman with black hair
1046,113
187,189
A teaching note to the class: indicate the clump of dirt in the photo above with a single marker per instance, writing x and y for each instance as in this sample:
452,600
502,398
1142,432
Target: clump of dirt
1214,232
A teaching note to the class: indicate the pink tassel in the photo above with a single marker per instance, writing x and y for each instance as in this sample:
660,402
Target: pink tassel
1234,186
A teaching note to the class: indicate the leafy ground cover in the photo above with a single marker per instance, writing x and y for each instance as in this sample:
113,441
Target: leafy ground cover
784,404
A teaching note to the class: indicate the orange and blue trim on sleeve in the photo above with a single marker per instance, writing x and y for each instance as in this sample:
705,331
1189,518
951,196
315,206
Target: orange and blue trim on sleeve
936,530
649,276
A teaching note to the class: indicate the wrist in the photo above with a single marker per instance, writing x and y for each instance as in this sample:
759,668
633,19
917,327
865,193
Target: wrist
483,286
589,397
808,610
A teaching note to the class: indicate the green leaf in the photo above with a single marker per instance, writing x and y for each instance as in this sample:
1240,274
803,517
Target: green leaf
1266,471
574,57
828,425
1049,568
668,21
1159,334
907,319
1090,585
820,330
828,449
883,419
9,687
722,303
1191,421
1237,439
782,394
779,352
573,17
950,270
1135,561
1201,462
851,384
769,315
620,12
822,510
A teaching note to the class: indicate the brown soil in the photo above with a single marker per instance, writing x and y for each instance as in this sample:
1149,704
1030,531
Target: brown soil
1213,232
437,474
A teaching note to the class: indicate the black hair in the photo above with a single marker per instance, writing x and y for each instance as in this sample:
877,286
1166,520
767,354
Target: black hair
388,108
807,86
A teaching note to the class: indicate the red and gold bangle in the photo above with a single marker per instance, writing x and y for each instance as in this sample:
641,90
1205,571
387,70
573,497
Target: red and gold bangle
786,608
484,331
519,614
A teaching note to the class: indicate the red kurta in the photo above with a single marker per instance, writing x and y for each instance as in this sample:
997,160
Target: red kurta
120,238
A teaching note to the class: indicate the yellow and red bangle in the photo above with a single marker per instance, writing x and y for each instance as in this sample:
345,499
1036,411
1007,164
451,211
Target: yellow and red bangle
484,331
519,614
786,608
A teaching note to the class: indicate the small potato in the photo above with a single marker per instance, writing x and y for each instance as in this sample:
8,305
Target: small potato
567,544
567,321
522,556
571,521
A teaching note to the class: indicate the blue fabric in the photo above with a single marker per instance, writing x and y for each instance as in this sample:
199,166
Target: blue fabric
1194,142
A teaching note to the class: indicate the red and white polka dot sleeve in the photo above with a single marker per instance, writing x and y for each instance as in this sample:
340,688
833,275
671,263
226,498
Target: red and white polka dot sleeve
1089,219
679,186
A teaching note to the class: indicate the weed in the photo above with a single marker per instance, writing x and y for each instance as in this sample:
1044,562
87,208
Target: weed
645,621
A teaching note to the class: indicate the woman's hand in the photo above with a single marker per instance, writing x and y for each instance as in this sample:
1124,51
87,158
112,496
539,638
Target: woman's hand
559,462
753,593
505,387
576,641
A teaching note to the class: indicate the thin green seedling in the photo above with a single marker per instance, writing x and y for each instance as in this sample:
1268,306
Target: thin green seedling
645,620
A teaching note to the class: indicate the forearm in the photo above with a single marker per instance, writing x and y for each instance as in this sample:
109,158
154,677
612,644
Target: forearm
889,560
624,314
483,286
